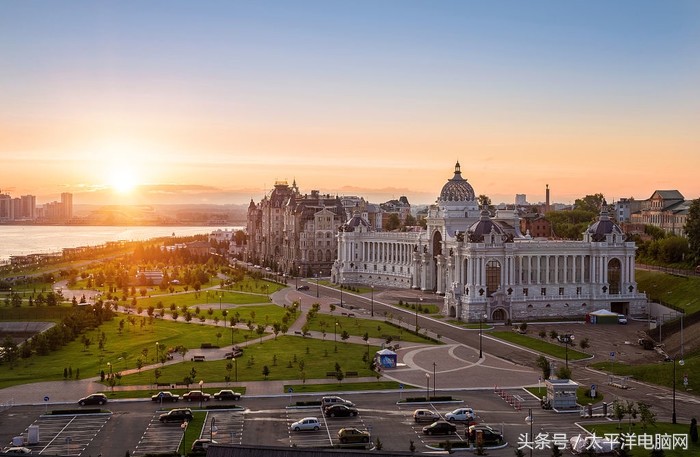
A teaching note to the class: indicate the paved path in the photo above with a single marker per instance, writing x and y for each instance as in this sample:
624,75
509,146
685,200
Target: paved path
450,365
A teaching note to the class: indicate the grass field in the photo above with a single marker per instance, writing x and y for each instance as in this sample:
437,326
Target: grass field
544,347
287,357
358,326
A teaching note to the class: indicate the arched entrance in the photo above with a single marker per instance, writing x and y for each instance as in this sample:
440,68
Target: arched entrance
614,275
499,314
436,246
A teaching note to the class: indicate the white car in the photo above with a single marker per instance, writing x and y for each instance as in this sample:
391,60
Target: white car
460,414
425,415
307,423
621,319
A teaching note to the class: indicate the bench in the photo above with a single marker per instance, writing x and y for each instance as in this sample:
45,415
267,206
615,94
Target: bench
351,373
163,384
198,358
331,373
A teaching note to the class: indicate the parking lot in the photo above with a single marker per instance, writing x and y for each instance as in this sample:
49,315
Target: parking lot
328,434
67,435
223,426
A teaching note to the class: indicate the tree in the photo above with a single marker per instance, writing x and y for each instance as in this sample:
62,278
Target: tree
592,203
544,365
484,201
266,371
692,230
646,416
632,412
393,222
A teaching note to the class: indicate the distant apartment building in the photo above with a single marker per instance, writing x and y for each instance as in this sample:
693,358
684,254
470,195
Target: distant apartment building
520,199
625,207
535,225
666,209
17,209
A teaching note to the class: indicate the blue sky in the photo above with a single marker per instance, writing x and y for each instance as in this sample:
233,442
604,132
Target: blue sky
214,101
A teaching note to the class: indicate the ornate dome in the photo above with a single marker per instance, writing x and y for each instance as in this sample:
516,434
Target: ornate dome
484,226
457,189
603,226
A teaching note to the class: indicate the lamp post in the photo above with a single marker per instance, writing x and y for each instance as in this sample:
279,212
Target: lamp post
341,293
673,416
184,438
481,320
156,358
529,419
567,338
201,392
372,306
335,332
318,276
220,301
212,429
427,387
235,364
434,378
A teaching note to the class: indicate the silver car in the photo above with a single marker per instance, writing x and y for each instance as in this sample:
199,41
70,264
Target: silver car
307,423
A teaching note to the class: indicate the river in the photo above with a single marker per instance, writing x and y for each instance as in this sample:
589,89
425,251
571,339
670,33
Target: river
36,239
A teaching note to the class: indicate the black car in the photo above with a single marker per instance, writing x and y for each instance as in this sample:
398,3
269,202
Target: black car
94,399
488,435
227,395
303,288
340,411
440,428
176,415
165,396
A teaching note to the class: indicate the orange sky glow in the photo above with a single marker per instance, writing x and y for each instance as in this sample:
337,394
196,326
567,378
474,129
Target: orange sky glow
214,102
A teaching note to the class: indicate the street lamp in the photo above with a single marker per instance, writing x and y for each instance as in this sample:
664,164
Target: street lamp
184,438
318,277
212,429
434,378
427,387
421,305
201,392
220,300
372,307
235,364
529,419
341,294
567,338
156,358
481,320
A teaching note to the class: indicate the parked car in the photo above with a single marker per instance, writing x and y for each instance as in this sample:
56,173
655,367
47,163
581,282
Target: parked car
227,395
303,288
460,414
307,423
176,415
340,411
164,396
196,395
425,415
353,435
440,428
488,435
200,445
93,399
331,400
17,450
621,319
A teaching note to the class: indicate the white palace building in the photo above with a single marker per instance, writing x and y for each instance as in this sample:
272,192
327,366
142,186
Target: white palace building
486,269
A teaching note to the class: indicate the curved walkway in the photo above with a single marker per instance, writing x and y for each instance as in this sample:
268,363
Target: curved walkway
451,365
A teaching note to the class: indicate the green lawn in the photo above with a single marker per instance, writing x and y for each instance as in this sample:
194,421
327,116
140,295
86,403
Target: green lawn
284,358
121,350
358,327
660,428
555,350
681,291
659,373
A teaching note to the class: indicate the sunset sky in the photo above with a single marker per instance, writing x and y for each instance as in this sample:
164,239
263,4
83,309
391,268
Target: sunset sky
214,101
